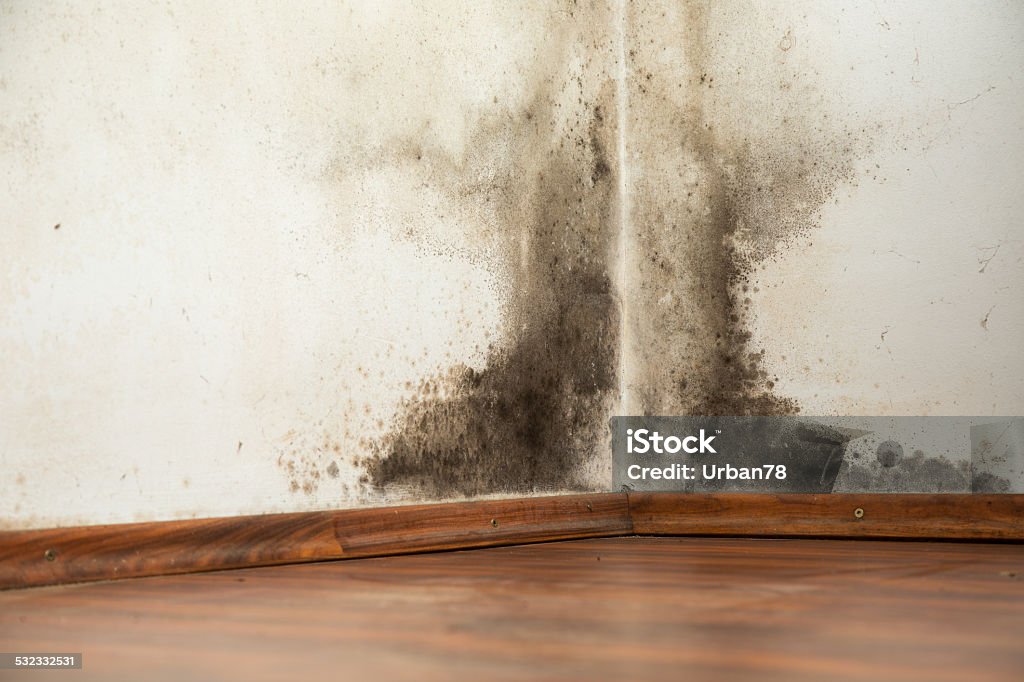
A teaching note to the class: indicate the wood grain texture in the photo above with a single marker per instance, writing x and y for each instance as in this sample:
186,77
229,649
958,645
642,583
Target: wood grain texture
373,532
603,609
133,550
43,557
60,555
951,517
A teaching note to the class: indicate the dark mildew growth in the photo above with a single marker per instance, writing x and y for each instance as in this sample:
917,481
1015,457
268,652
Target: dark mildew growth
730,167
535,417
723,168
913,473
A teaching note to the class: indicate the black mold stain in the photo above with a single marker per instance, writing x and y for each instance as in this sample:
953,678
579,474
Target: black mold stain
996,450
985,482
537,412
708,204
300,459
917,473
889,453
722,201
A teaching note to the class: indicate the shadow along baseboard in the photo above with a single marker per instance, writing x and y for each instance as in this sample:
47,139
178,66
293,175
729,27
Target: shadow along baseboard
86,553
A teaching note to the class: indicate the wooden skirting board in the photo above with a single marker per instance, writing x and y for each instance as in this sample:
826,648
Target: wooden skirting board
876,516
85,553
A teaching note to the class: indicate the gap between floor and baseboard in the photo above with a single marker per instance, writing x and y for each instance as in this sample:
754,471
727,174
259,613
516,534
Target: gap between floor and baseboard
86,553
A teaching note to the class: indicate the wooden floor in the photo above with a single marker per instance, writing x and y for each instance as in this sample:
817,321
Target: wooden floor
622,609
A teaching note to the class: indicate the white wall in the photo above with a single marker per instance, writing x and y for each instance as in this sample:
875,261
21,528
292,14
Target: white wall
226,265
908,299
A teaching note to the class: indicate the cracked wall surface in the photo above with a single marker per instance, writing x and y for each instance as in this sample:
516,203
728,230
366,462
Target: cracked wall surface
263,258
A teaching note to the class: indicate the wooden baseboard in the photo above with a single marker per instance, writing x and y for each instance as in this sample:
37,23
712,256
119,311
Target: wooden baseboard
66,555
910,516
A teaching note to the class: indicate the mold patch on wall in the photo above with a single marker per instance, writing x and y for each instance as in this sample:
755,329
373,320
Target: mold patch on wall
535,417
731,160
409,251
915,472
997,457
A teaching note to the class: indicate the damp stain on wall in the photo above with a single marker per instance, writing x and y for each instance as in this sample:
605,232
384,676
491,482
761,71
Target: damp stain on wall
709,198
307,459
913,473
706,137
525,190
534,416
732,169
